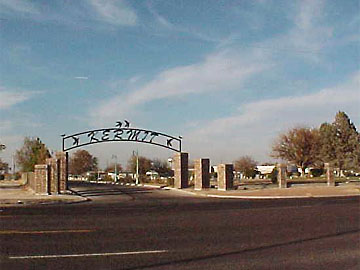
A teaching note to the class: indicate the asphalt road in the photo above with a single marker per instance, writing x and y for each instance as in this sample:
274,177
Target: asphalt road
146,228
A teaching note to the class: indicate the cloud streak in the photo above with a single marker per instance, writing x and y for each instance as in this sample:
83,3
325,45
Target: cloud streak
114,12
18,6
256,124
11,98
222,71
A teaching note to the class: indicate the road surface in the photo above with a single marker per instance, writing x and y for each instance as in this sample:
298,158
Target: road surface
147,228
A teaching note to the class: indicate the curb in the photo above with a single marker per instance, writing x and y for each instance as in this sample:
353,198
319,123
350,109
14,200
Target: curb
193,193
31,202
279,197
86,199
251,197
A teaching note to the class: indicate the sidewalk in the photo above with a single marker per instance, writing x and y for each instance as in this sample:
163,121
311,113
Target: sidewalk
11,196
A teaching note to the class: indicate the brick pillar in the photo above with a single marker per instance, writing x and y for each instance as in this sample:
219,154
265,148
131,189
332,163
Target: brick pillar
225,176
329,175
202,174
281,177
54,175
41,176
181,170
63,170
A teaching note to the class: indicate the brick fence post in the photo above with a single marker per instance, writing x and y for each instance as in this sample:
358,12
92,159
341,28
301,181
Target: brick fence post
225,176
181,170
41,177
202,174
281,177
63,163
329,175
54,175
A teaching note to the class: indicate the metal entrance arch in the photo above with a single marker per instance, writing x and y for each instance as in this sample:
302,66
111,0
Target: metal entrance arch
122,132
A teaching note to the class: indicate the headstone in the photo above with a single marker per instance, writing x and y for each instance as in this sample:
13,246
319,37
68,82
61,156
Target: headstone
225,176
181,170
202,174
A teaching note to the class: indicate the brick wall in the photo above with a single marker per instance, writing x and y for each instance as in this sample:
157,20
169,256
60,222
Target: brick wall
49,178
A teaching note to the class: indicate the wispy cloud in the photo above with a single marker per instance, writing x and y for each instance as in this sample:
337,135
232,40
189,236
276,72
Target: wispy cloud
18,6
160,19
256,124
308,36
163,23
81,78
309,32
114,12
222,71
11,98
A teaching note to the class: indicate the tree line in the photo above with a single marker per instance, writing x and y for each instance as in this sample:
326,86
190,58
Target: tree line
35,152
337,143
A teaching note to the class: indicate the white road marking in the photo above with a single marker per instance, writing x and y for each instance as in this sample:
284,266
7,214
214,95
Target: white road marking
45,232
88,255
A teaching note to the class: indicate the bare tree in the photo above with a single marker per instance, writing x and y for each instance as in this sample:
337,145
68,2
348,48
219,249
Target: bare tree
246,165
299,146
111,167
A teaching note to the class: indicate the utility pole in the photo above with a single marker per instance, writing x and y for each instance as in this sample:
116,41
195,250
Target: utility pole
137,167
115,157
13,166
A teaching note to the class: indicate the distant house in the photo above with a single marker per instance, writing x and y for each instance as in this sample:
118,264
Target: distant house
265,169
122,175
152,174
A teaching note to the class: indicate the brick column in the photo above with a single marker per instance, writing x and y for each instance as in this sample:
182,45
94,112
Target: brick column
329,175
181,170
281,177
202,174
54,175
63,170
41,177
225,176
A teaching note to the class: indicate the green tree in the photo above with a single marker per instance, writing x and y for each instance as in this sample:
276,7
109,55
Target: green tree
327,144
299,145
246,165
347,148
162,167
81,162
144,164
31,153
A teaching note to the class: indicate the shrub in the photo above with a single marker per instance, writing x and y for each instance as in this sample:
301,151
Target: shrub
316,172
273,176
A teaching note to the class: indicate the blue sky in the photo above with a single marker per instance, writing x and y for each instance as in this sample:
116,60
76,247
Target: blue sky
226,75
